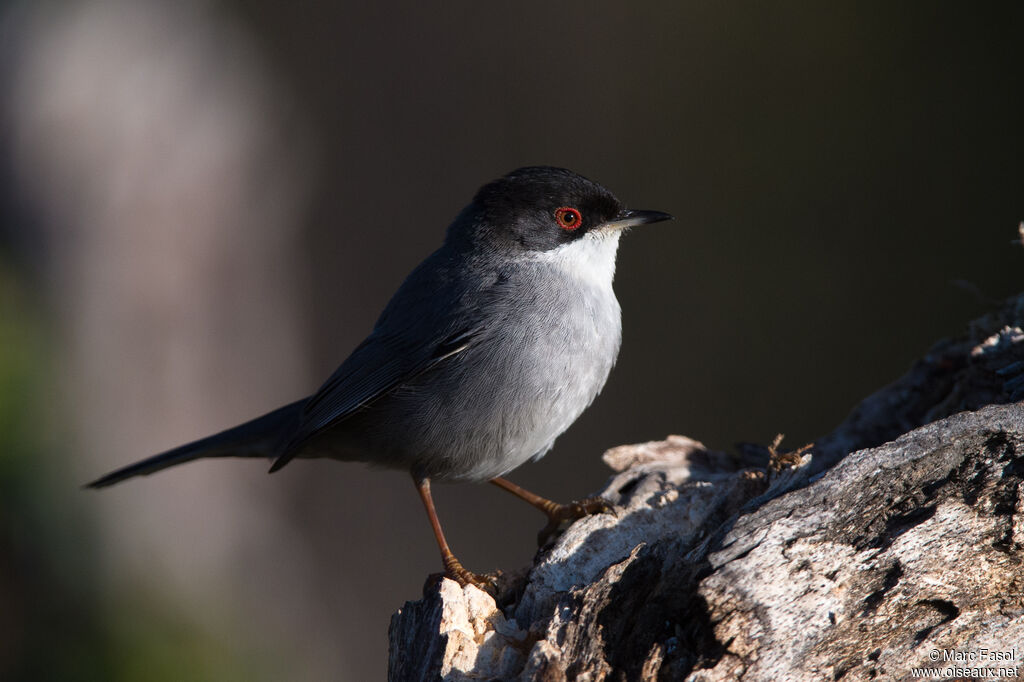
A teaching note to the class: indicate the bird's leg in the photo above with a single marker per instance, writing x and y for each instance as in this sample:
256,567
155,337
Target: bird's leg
556,513
452,568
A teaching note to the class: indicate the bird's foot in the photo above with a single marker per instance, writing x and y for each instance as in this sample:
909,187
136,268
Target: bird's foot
559,514
453,569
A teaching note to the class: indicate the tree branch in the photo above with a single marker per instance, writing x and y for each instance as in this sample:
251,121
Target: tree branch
898,534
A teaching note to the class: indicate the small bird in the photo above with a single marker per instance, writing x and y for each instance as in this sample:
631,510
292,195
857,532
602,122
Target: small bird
490,349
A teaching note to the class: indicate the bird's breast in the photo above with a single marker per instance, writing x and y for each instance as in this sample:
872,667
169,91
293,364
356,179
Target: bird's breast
533,374
545,337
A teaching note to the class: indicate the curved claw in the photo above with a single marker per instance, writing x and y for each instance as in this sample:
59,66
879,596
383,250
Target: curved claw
486,582
577,509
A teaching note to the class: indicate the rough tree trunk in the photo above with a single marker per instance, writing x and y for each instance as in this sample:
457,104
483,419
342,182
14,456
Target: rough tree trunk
895,541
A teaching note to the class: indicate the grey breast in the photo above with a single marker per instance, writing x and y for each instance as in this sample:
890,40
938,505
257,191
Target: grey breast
543,353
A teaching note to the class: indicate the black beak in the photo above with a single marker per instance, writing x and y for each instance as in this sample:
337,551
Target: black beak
631,218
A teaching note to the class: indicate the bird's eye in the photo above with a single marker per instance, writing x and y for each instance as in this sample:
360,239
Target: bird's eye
568,218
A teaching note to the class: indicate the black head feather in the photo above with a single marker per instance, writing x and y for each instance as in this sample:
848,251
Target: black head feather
519,209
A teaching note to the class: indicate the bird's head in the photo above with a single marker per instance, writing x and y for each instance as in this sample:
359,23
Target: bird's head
540,208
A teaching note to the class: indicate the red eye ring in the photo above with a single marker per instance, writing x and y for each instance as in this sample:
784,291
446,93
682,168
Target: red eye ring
568,218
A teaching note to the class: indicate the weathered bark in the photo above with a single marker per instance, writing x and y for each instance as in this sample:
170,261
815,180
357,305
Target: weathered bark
899,534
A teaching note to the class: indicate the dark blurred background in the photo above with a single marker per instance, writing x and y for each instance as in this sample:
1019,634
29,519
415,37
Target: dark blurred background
204,205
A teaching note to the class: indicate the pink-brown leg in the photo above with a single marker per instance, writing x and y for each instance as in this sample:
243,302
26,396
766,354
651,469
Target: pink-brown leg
556,513
452,567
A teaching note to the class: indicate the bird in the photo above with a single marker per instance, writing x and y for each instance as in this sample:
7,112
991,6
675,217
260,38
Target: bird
489,350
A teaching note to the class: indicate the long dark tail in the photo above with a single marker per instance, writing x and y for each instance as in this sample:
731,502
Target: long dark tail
260,437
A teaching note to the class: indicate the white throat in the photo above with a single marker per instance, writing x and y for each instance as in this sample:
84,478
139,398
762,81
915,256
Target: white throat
590,259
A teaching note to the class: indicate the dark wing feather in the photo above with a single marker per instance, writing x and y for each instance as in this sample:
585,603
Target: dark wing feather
418,330
374,369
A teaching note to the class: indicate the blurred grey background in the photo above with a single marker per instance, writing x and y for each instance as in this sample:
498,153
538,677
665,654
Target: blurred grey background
204,205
